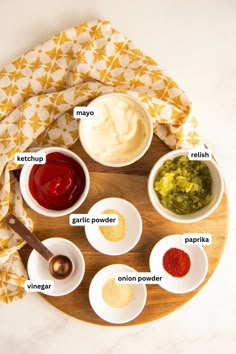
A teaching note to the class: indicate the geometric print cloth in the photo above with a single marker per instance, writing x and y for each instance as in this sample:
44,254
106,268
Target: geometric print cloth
38,91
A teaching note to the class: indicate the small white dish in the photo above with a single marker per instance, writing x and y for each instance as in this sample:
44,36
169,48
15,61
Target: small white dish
107,313
32,202
87,125
198,268
38,269
133,227
217,190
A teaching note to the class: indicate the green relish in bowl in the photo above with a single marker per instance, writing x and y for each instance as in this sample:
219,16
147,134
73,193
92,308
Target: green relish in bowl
183,186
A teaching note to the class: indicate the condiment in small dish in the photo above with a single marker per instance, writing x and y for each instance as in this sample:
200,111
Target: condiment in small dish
119,239
185,191
183,267
116,303
38,269
57,187
120,131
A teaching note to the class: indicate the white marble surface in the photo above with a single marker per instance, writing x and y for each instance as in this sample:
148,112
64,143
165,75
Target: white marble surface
194,41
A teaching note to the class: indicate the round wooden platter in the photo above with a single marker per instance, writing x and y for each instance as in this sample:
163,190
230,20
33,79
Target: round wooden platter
129,183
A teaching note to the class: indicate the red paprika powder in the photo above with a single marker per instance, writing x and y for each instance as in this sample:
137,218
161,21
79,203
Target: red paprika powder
176,262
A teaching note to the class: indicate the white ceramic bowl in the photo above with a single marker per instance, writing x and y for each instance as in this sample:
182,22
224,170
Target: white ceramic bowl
198,269
85,124
133,227
24,185
217,190
38,269
107,313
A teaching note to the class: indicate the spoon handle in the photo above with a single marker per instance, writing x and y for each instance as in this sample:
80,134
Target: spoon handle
15,224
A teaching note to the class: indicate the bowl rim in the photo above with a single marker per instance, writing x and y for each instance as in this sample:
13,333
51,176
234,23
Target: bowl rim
176,240
125,268
88,228
168,214
33,204
146,146
76,251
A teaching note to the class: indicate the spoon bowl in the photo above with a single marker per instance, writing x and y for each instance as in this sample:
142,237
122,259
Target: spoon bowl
60,266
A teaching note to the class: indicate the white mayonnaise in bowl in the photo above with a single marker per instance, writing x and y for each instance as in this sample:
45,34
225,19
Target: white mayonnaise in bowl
119,133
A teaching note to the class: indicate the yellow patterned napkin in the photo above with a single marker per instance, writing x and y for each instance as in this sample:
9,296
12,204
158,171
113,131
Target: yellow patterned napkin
37,93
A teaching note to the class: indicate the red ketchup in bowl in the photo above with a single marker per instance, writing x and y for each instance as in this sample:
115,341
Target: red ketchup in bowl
57,184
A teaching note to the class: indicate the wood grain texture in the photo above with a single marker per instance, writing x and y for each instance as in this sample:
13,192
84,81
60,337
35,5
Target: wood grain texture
129,183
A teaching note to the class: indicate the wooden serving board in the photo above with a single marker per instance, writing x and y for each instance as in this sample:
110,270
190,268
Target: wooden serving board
129,183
